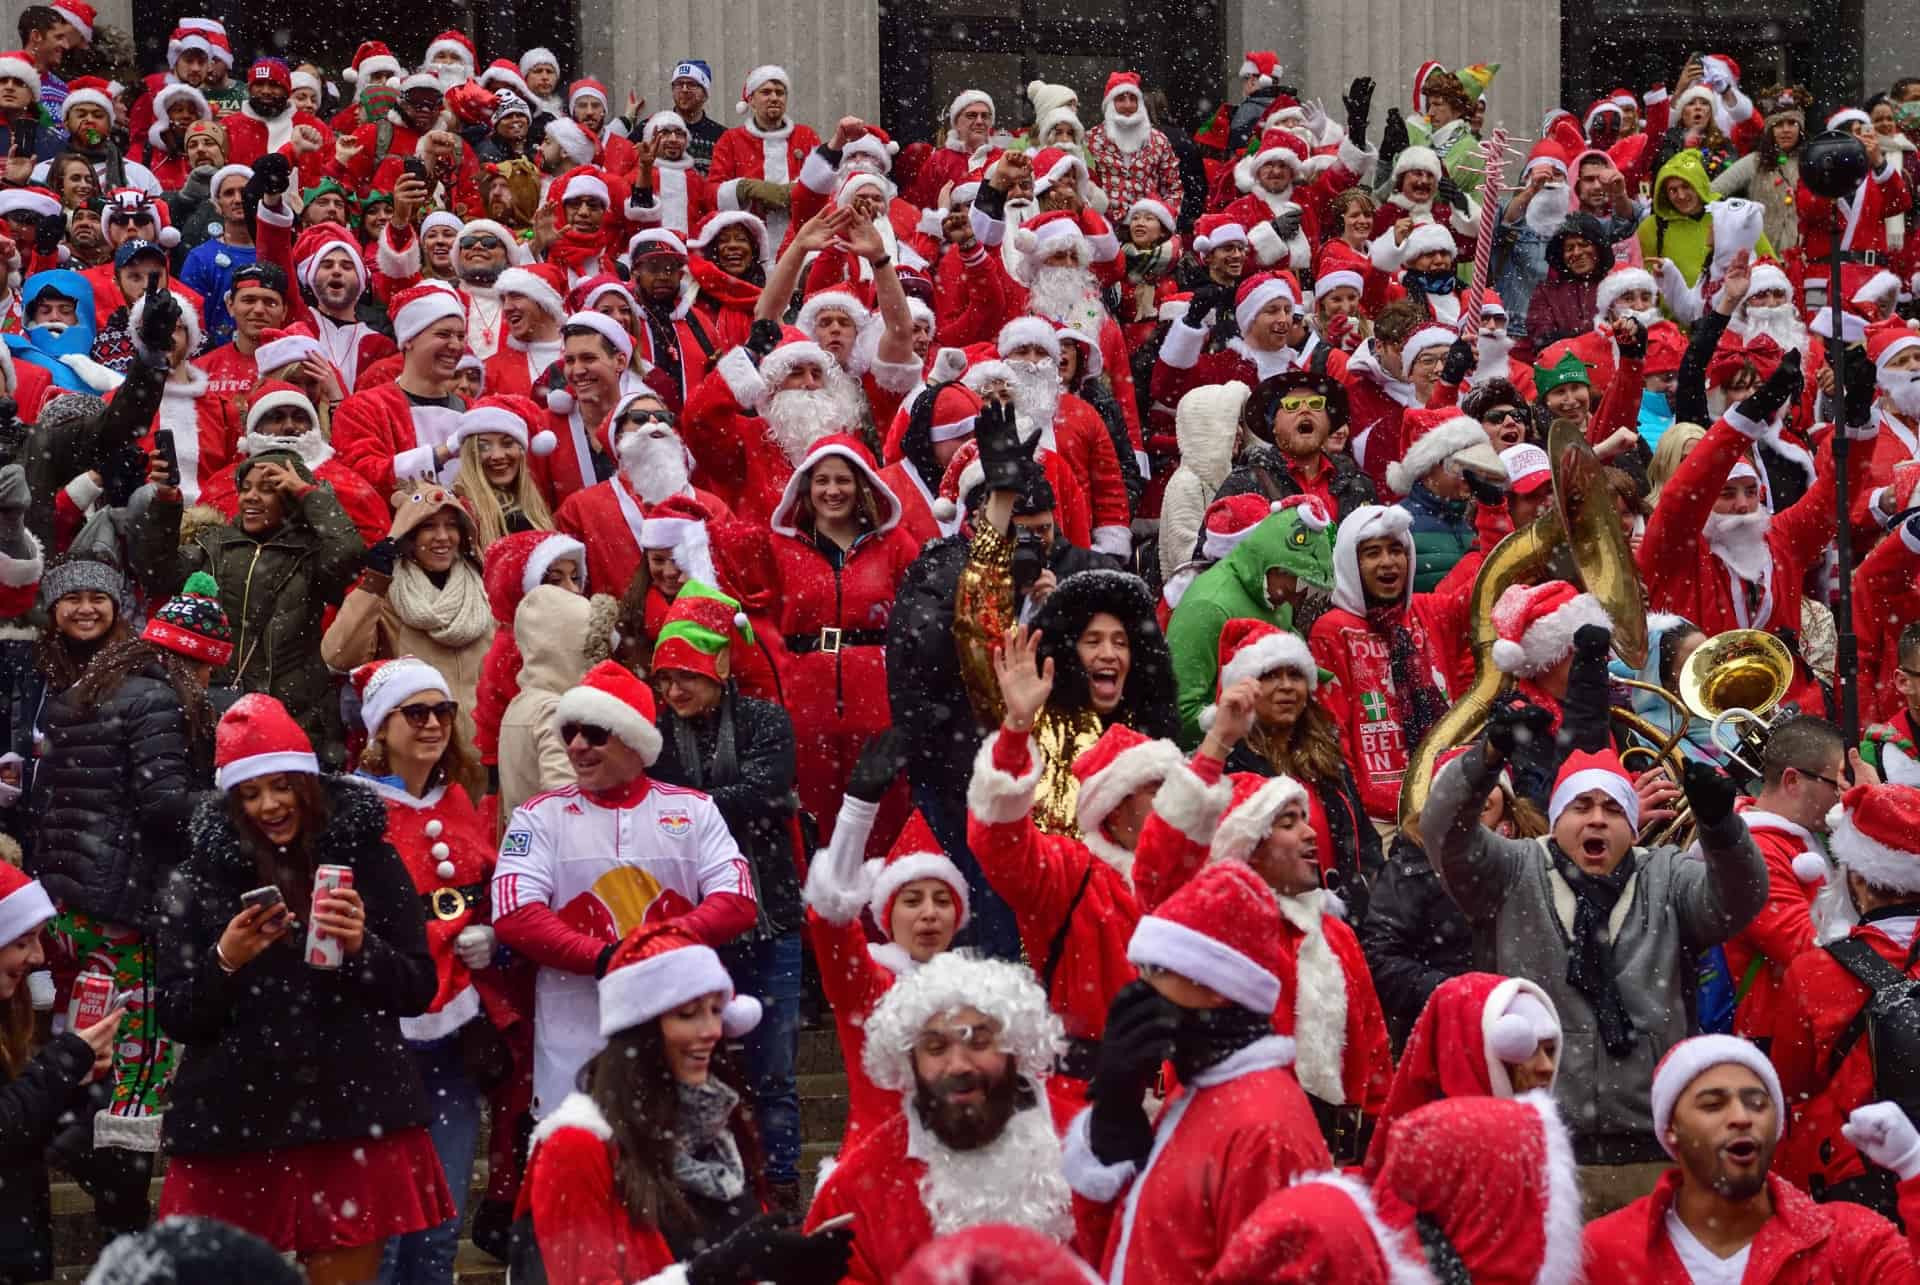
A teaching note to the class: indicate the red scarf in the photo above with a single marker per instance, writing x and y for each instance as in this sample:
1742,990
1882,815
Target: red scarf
574,250
720,286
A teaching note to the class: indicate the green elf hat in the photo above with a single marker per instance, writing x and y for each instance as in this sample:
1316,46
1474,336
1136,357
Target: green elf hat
1475,78
309,195
1568,370
699,632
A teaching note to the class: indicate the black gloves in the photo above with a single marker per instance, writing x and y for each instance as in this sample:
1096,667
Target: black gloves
1393,141
157,321
770,1249
1782,386
1635,347
1709,793
1858,374
763,339
1208,297
1450,192
878,766
274,172
1141,1026
47,233
1004,458
1516,721
14,498
381,556
1286,225
1358,100
1592,642
1461,354
121,474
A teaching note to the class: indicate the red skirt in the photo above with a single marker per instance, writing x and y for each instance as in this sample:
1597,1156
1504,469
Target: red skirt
318,1198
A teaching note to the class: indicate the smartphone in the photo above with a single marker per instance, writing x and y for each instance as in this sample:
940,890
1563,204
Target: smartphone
26,137
415,168
267,897
170,452
833,1224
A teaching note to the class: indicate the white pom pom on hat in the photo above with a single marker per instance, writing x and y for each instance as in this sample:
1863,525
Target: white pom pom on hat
945,510
1810,867
1508,655
740,1016
1512,1038
544,441
560,401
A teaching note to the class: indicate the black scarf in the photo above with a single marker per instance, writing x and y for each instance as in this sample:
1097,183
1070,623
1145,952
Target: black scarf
1209,1036
1422,702
1590,962
666,340
724,769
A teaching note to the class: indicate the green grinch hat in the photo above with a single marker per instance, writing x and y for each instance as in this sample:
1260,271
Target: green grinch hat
1568,370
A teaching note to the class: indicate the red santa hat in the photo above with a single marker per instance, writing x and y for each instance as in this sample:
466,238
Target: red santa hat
610,696
915,854
608,328
1688,1060
1528,469
1601,107
277,394
578,145
1585,770
993,1254
1426,238
657,968
1216,230
721,220
420,306
1434,436
844,446
322,239
222,47
79,15
280,348
510,415
1251,648
519,561
873,149
1870,292
678,524
587,87
757,77
1024,332
544,283
88,89
1425,70
1121,82
1263,63
1005,993
1222,929
504,73
1871,830
581,183
1616,283
1109,770
455,42
956,408
970,98
1887,340
1497,1176
31,199
856,182
257,737
1321,1230
1052,165
1157,208
1280,144
372,58
1249,816
1847,117
383,684
1340,265
178,91
1259,290
1536,624
1056,230
1416,160
1768,275
24,903
1230,520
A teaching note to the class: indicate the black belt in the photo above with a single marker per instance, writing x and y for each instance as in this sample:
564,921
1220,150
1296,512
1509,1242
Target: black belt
1078,1062
451,902
831,641
1873,257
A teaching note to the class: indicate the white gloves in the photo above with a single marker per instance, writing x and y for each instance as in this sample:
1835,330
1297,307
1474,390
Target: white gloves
474,946
1885,1136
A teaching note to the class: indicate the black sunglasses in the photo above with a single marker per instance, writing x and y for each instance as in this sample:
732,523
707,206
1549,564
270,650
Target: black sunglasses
1500,415
417,715
480,241
594,736
642,418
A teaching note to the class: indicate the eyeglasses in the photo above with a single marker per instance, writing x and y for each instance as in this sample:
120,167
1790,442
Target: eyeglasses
480,241
417,715
1500,415
594,736
1824,780
1303,401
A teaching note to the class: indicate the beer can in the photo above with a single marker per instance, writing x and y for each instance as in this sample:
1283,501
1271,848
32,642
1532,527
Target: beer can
323,950
92,1001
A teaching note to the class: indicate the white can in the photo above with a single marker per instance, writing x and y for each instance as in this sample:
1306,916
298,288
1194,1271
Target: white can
323,949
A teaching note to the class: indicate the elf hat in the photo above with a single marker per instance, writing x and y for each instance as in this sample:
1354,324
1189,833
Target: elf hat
610,696
257,737
24,904
192,624
698,634
384,684
659,967
1871,830
1688,1060
1584,771
916,854
1221,930
1536,624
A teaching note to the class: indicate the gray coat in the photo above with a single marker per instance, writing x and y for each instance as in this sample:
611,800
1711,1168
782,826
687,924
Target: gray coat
1674,907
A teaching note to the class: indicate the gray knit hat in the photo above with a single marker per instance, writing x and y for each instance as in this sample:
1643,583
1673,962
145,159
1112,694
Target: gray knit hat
70,408
80,574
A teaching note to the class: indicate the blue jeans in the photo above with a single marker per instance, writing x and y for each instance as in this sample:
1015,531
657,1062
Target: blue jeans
991,928
426,1257
770,972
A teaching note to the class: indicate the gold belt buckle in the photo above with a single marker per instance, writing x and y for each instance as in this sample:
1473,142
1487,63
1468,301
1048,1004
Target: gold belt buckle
448,903
830,641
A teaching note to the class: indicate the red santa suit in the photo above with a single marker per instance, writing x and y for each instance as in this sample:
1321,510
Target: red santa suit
352,347
1316,181
1184,364
680,197
1897,443
26,383
884,384
1759,954
608,518
203,440
382,435
970,291
249,138
1886,599
1862,217
733,454
749,152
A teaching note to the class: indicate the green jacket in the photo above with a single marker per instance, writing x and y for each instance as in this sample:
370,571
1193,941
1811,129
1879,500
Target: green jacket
1235,588
275,591
1674,236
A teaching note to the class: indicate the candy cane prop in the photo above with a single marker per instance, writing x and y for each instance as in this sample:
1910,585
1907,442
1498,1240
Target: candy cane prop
1493,154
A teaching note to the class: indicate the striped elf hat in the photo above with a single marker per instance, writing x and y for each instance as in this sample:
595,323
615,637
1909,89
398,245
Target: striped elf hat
699,632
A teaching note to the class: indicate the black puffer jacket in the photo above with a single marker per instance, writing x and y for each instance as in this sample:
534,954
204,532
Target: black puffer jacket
33,1106
1261,469
112,797
1413,936
279,1054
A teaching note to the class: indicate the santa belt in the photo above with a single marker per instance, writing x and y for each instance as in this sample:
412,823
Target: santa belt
1078,1061
451,902
1872,257
831,641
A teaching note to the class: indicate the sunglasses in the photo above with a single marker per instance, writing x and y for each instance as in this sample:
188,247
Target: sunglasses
1501,415
480,241
594,736
417,715
1303,401
642,418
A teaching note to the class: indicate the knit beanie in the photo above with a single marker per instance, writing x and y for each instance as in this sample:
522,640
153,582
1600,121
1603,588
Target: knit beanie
192,623
81,573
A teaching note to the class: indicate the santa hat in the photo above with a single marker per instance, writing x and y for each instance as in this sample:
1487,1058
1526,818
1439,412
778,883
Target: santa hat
1282,144
222,47
371,59
1121,82
756,78
875,146
544,283
678,524
1216,230
510,415
1616,283
1053,165
504,72
1870,292
846,446
657,968
697,636
1426,238
167,95
587,87
519,561
1109,770
656,241
1091,362
1258,291
788,357
24,903
257,737
192,624
660,120
1433,437
721,220
1585,770
1023,332
956,409
1420,75
1231,519
1263,63
1871,830
1428,336
1249,816
456,42
1251,648
1158,209
1222,929
322,239
1849,116
581,183
383,684
1423,160
79,15
189,317
35,200
88,89
1536,624
915,854
1005,993
279,348
1056,230
576,142
1527,468
994,1254
1887,340
420,306
970,98
1322,1228
518,251
277,394
1768,275
1340,265
610,696
1601,107
852,185
1688,1060
541,56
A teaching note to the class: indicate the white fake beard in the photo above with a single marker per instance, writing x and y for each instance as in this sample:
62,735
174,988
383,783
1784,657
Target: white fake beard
1129,133
1036,394
1549,209
1015,214
1903,390
1740,541
1780,323
797,418
1645,316
1015,1179
1494,350
311,446
1066,295
655,465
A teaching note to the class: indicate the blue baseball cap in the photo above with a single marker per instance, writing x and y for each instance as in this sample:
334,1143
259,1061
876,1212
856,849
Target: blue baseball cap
133,247
693,69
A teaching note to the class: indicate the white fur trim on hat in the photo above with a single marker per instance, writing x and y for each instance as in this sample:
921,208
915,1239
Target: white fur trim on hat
285,351
417,315
82,96
903,870
601,709
1517,1016
1249,308
968,98
1158,209
289,398
572,140
23,70
1613,784
1327,282
1274,651
1024,331
518,280
1246,826
668,119
1424,159
1617,283
601,324
548,552
189,316
1549,638
782,361
1688,1060
831,301
1149,763
1434,448
1051,237
1895,869
1425,239
498,419
639,992
1765,277
538,56
1162,943
757,77
23,910
258,765
583,187
394,682
1225,234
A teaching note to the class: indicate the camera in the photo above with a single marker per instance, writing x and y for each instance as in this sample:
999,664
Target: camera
1029,559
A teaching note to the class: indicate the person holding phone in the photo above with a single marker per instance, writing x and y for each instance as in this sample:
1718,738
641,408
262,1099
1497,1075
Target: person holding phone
655,1161
297,1114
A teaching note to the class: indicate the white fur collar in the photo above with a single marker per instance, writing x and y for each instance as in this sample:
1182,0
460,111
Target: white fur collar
753,127
1269,1053
576,1111
1319,1002
893,957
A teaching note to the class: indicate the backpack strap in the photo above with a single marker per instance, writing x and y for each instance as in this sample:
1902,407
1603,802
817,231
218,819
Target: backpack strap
1058,946
1881,979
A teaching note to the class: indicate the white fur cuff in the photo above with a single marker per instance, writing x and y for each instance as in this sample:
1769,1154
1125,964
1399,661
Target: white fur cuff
1089,1178
743,379
1190,805
401,265
995,797
1266,243
1181,348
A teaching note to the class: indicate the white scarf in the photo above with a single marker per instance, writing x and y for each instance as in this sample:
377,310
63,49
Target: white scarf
454,617
1266,363
180,415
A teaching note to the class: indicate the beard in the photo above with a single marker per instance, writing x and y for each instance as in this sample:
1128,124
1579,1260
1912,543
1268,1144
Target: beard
1063,294
1493,351
311,446
1781,324
1645,316
1036,395
1016,213
654,464
481,277
1740,541
967,1126
797,418
1903,390
1129,133
1549,209
1010,1175
268,110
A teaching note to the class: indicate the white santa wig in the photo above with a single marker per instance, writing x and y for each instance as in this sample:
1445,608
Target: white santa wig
950,981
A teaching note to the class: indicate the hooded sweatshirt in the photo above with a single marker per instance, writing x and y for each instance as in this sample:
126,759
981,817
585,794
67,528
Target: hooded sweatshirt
1205,427
560,635
1683,239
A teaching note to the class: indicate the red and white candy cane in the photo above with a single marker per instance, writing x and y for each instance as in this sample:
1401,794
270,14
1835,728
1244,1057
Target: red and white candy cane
1493,155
